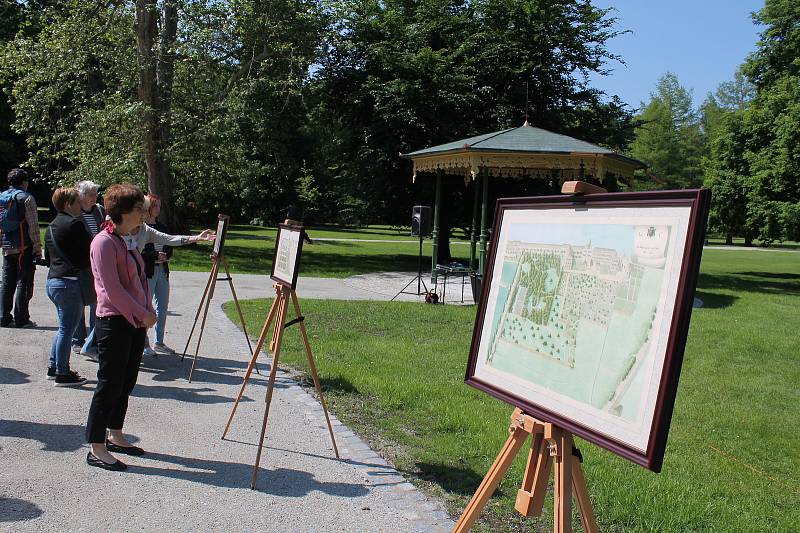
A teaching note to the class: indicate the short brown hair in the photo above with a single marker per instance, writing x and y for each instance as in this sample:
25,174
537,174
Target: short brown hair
64,196
121,199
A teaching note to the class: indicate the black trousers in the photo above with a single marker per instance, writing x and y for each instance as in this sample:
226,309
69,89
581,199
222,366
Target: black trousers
16,289
119,346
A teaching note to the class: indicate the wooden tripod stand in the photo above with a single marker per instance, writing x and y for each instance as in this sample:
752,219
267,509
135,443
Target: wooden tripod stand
550,443
208,294
278,311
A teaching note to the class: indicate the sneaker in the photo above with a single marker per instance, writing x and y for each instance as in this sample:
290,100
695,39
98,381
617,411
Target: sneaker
51,372
72,379
160,347
7,325
149,352
29,324
76,348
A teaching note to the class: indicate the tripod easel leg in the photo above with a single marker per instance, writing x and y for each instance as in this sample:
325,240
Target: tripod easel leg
492,480
314,375
214,271
582,497
280,321
238,307
261,338
562,489
197,314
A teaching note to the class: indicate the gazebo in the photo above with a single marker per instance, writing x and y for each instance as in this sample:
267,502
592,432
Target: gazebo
525,152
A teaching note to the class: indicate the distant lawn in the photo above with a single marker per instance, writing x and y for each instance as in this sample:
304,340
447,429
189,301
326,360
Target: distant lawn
394,373
249,249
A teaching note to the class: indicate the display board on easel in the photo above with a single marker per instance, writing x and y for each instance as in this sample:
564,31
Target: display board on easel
286,263
581,326
222,231
285,269
217,260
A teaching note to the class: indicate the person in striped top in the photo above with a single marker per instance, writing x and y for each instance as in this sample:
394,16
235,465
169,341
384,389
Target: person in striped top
92,215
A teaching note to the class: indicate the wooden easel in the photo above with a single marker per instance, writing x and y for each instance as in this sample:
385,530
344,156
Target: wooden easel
550,444
278,311
208,294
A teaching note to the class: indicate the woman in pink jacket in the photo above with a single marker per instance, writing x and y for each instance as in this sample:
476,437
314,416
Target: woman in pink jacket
124,312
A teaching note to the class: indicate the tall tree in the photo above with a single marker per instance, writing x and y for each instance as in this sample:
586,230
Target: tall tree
208,101
156,30
399,75
668,136
758,153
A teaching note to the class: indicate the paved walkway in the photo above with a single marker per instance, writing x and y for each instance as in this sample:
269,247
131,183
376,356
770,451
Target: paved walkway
190,479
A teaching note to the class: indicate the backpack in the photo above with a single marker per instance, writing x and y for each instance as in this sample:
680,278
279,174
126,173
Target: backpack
10,218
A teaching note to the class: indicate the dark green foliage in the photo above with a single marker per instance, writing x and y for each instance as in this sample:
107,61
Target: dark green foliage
754,162
304,102
398,76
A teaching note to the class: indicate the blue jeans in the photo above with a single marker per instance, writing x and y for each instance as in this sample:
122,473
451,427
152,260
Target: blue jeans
66,295
159,290
80,337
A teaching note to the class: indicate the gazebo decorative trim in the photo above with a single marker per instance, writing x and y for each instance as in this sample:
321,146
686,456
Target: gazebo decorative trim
468,163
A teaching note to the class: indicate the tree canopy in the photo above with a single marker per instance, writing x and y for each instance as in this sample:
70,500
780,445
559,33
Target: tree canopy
753,165
248,106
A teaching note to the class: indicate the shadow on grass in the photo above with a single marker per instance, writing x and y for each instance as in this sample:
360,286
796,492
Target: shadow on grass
715,301
463,481
12,376
16,510
278,481
772,275
744,283
332,384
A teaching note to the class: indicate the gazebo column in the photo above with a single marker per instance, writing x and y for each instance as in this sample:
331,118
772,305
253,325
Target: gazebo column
473,237
435,234
484,207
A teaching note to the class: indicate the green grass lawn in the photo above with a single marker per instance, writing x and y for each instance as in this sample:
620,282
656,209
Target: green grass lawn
394,373
249,249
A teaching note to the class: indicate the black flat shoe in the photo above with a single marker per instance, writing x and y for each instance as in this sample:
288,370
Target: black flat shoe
127,450
117,466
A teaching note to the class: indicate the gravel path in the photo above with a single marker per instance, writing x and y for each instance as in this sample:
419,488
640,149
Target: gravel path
190,479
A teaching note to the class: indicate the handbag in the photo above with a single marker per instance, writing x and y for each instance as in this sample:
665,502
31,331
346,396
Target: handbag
84,275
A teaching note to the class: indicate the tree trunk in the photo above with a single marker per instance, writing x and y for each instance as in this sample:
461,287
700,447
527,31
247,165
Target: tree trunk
155,92
729,239
164,185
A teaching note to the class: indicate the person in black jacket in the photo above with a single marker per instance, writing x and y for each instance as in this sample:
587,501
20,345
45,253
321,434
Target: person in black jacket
67,251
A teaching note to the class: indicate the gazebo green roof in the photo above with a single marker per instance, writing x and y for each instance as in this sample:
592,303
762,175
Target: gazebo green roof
517,151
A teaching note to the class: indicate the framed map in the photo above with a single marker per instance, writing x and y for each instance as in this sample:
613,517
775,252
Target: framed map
286,263
222,229
585,309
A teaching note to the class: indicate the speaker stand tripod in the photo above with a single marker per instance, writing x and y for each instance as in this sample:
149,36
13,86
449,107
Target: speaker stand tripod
417,278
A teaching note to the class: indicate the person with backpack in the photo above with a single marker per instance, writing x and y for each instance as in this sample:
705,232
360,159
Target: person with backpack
20,242
67,252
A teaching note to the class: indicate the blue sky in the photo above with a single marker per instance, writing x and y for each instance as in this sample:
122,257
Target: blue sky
702,42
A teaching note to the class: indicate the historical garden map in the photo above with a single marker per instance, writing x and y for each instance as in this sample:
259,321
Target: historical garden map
575,310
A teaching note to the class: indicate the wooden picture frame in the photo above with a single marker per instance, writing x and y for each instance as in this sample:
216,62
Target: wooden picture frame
286,261
222,230
585,309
